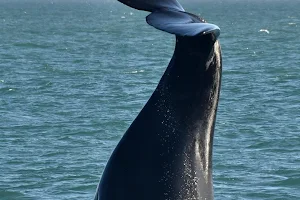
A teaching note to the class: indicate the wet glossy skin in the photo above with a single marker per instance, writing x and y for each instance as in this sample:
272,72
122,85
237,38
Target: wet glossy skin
166,154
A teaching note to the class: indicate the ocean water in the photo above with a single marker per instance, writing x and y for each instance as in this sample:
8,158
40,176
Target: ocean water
74,74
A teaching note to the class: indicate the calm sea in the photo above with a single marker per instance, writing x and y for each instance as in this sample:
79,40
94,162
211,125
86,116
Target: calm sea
74,74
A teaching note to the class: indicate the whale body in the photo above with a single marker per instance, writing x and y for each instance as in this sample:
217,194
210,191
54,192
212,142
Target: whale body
166,153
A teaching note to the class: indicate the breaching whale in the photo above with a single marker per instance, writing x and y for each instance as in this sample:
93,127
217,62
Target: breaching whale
166,153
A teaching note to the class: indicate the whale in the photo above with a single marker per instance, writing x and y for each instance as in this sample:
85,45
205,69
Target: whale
166,153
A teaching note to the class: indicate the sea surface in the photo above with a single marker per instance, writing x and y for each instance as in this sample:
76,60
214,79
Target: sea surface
75,74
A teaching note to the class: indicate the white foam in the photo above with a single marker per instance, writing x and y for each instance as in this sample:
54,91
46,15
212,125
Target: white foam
136,71
264,30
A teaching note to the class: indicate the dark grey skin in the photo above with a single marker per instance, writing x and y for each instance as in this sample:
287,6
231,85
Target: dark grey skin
166,154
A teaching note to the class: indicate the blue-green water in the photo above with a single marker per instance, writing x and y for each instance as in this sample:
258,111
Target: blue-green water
74,74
